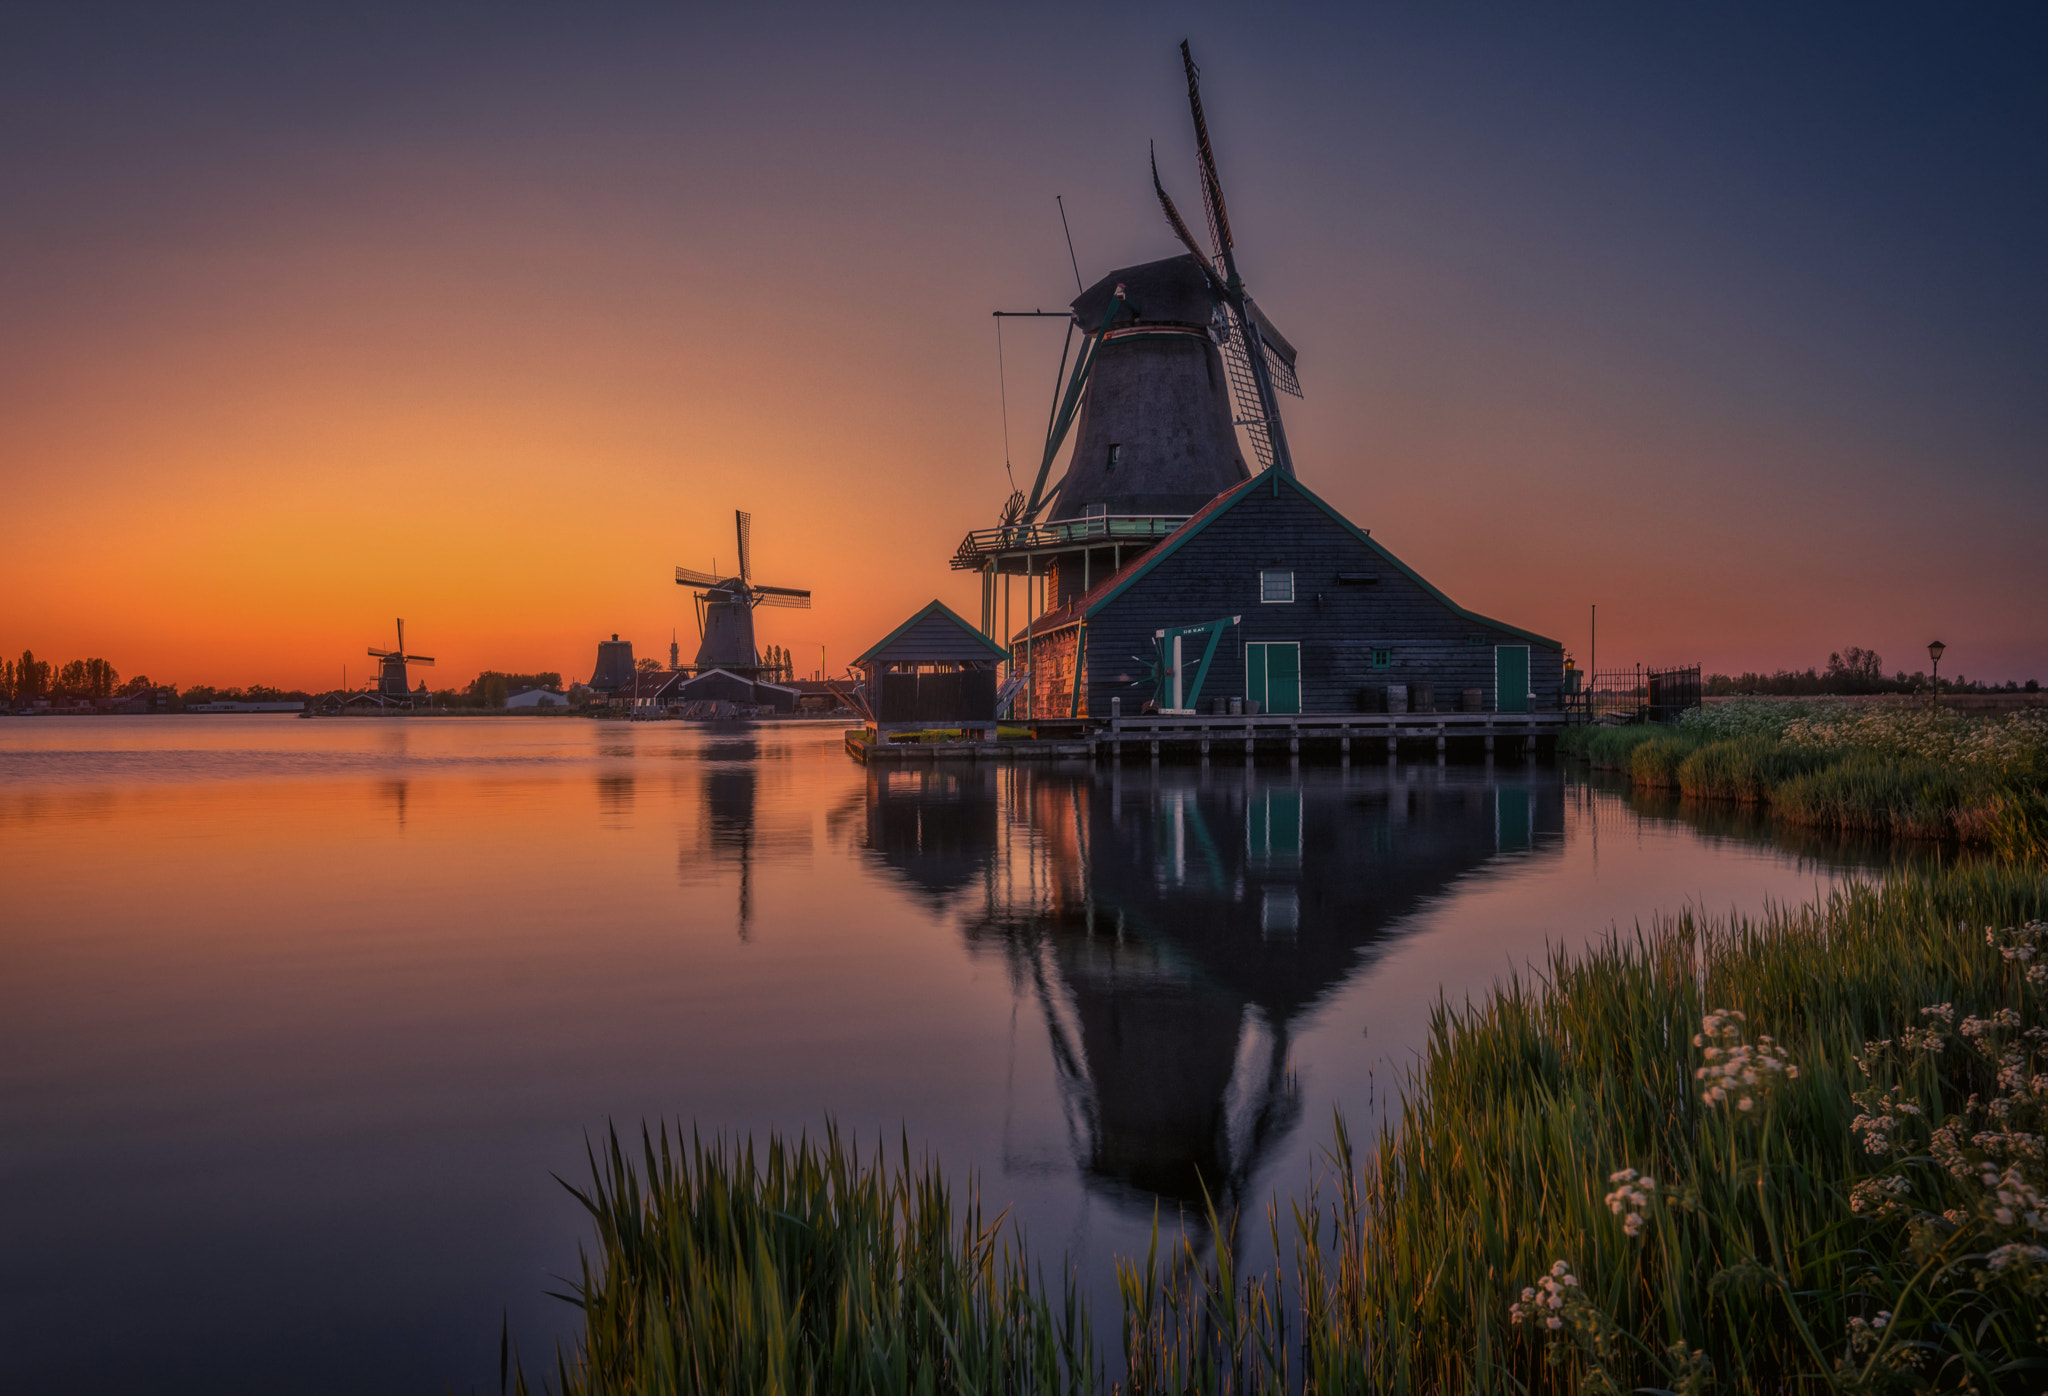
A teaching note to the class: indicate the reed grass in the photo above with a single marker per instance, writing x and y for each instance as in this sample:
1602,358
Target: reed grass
1744,769
1557,1140
805,1268
1916,775
1654,764
1799,1151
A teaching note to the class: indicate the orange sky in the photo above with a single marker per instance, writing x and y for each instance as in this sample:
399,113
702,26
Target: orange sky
491,331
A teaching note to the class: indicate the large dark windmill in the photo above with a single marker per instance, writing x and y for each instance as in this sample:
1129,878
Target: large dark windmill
392,684
725,609
1166,348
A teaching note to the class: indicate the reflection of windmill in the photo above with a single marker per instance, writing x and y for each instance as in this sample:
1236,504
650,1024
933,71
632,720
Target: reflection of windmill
392,685
731,836
725,609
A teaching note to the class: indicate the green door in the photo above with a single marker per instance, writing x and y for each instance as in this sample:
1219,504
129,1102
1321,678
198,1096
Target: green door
1283,678
1272,676
1511,678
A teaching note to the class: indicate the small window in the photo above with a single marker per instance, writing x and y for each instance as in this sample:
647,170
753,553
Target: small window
1095,511
1276,586
1382,659
1116,452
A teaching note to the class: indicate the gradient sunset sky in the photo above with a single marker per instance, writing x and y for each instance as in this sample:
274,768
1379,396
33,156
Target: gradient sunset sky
1728,319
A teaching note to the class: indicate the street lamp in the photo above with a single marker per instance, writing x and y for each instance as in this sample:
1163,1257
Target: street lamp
1934,652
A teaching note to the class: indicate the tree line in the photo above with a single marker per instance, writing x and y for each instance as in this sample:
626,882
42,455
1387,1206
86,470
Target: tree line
1851,672
26,681
29,679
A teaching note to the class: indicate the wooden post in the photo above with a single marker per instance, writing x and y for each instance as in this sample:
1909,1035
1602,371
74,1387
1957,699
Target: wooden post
1030,684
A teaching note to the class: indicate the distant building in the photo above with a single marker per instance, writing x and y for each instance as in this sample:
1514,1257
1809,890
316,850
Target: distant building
724,686
228,706
538,698
652,693
614,672
148,700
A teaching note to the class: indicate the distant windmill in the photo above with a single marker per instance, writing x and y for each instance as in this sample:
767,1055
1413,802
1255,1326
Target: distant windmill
725,608
392,684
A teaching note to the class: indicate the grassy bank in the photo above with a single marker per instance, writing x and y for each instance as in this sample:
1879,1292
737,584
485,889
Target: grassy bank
1795,1152
1921,773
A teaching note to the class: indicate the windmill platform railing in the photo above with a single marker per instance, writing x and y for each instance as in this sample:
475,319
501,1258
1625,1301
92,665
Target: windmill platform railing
982,545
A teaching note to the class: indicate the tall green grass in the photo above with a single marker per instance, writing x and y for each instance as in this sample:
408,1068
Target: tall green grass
1754,1262
805,1268
1745,769
1772,1241
1916,775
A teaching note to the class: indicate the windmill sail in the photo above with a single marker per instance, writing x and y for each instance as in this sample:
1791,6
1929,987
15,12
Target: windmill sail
1257,369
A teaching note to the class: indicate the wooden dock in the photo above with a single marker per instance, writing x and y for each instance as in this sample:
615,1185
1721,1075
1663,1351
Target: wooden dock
1342,735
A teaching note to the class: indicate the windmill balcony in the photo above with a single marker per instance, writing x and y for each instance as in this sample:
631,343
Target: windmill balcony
1020,541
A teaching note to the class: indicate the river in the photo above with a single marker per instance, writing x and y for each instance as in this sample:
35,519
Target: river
298,1019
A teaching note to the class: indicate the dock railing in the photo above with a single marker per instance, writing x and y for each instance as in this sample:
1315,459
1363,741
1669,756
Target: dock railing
1636,695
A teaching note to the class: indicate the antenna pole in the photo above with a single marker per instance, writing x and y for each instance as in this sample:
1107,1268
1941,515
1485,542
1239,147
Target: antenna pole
1060,199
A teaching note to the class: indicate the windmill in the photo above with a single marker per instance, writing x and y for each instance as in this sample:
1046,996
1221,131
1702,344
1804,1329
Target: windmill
1156,435
1165,363
392,684
725,608
1260,359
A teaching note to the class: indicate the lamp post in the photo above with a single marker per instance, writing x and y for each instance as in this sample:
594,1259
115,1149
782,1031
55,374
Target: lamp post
1934,652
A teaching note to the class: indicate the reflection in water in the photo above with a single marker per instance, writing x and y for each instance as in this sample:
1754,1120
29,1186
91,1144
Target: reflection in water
730,832
224,1060
1172,925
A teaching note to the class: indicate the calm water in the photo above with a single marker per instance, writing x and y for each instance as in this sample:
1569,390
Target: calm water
297,1018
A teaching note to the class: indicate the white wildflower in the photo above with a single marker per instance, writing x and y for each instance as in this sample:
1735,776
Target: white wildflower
2017,1253
1631,1200
1744,1071
1544,1301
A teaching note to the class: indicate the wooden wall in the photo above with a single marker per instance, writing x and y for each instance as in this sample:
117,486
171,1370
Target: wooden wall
1337,624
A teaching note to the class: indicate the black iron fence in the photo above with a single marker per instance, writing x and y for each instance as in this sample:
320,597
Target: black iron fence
1634,695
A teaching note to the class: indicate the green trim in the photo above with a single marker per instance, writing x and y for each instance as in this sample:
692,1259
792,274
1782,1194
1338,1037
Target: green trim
1176,540
995,650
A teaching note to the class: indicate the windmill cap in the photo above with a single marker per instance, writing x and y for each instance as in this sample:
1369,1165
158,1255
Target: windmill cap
1168,292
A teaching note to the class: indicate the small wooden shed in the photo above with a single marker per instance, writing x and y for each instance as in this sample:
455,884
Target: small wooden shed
934,670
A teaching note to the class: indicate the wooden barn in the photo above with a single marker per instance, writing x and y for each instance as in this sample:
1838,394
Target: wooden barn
1269,596
934,670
